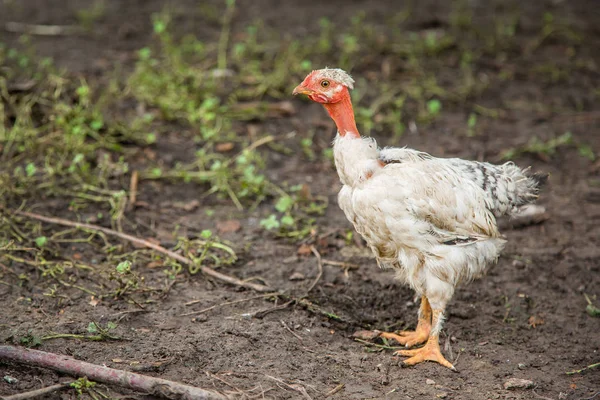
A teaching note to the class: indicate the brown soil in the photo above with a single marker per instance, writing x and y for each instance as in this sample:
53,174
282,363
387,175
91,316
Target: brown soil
543,273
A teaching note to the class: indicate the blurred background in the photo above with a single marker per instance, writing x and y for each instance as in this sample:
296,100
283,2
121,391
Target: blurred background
174,122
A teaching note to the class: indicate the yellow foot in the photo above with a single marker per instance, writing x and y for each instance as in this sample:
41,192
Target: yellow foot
429,352
408,338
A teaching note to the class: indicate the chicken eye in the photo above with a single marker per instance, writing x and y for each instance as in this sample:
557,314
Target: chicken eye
324,83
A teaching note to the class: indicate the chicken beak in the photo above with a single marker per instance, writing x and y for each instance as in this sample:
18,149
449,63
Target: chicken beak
302,90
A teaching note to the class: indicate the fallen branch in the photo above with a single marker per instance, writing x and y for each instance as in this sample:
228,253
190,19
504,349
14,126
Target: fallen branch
154,386
145,243
36,393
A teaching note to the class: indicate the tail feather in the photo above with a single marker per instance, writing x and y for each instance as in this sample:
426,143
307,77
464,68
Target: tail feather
522,185
539,179
507,187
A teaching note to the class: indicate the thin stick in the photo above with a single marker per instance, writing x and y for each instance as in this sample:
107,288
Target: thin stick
590,398
295,387
539,396
133,185
578,371
308,305
261,313
36,393
334,390
320,266
223,304
224,38
148,244
291,331
343,265
41,30
256,144
98,373
380,346
223,381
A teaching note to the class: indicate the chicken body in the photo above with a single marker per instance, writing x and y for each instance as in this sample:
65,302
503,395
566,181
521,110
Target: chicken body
422,216
432,220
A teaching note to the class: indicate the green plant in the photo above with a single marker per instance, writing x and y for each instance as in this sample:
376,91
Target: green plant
83,385
547,149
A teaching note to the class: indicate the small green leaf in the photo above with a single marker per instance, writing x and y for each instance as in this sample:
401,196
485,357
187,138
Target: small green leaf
124,267
284,204
592,310
349,236
111,325
206,234
156,172
159,26
41,241
92,328
287,220
472,120
434,106
270,222
306,65
144,53
83,91
78,158
96,124
30,169
585,150
151,138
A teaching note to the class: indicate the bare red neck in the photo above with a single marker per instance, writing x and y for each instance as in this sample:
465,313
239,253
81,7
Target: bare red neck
343,115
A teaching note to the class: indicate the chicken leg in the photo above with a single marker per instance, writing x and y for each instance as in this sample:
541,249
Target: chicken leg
431,350
419,335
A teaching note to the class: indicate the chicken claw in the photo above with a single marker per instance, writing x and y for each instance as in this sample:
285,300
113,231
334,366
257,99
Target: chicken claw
410,338
419,335
429,352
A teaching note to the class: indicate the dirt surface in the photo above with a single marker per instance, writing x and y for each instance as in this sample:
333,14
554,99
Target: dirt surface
525,319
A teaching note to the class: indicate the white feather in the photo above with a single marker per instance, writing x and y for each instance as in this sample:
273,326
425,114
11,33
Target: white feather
409,209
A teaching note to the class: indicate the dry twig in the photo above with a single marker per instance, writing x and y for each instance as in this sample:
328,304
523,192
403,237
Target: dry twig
341,264
539,396
320,266
133,185
578,371
334,390
145,243
291,331
223,304
262,313
36,393
295,387
41,30
98,373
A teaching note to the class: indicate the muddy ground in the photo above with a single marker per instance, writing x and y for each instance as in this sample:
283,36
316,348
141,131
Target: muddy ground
525,319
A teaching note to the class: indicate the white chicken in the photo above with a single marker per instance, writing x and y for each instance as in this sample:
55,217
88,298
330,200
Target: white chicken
431,219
